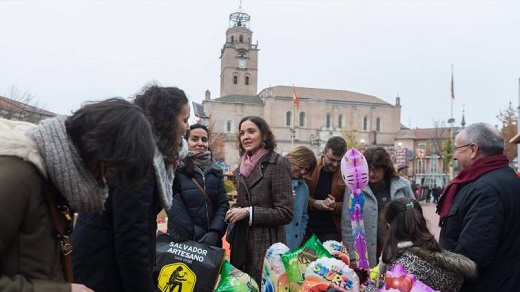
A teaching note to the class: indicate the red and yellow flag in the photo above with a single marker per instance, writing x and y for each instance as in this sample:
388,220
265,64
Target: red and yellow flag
295,99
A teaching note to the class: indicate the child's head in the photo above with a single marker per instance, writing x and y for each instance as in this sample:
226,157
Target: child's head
403,220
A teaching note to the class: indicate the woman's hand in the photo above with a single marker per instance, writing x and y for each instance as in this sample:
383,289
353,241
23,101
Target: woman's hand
234,215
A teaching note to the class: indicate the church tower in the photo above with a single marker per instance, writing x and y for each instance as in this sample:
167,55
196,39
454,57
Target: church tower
239,58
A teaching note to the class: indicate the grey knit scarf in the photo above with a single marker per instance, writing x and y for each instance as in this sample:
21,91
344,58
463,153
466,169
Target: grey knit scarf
164,178
65,167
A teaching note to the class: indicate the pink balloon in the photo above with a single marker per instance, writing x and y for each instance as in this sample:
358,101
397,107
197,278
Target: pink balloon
354,169
398,280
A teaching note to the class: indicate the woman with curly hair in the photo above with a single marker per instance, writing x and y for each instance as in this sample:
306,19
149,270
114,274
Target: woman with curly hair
409,242
114,250
384,185
264,197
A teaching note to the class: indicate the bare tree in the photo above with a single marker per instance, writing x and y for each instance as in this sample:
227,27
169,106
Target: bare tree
21,105
509,129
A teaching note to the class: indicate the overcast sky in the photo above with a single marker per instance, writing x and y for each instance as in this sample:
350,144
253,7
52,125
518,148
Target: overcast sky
68,52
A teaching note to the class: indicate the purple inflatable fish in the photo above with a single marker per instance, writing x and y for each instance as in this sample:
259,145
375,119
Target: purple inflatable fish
354,169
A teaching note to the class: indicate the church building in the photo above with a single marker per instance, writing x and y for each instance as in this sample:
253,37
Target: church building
297,115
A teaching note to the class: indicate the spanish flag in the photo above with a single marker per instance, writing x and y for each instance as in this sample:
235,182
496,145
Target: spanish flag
295,99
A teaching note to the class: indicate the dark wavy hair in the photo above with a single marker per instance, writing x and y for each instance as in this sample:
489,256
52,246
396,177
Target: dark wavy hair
407,223
114,140
378,157
162,106
268,136
189,166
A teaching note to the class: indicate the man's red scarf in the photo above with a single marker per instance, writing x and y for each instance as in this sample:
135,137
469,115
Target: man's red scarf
480,167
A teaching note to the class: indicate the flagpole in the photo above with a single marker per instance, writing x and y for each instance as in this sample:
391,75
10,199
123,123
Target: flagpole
292,121
452,120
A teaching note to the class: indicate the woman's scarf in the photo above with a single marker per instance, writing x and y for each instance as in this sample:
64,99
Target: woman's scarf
164,177
249,161
200,159
65,167
469,174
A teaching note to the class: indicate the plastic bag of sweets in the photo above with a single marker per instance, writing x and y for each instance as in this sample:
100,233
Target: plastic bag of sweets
338,250
330,273
274,278
234,280
296,261
190,266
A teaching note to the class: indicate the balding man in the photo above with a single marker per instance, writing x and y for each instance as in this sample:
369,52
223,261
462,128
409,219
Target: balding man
479,210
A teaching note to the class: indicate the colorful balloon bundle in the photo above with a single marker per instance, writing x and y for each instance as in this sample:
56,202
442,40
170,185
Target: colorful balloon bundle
354,169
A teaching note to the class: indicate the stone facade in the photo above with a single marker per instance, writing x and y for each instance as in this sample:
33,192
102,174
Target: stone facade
323,113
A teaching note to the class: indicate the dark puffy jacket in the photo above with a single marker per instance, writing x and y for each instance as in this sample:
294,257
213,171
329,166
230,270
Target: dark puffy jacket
115,250
483,225
190,216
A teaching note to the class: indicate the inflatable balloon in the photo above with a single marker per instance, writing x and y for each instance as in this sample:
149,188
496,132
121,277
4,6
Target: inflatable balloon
326,273
354,170
398,280
274,278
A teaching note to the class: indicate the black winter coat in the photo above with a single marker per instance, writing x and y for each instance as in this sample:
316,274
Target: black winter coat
190,216
115,250
483,225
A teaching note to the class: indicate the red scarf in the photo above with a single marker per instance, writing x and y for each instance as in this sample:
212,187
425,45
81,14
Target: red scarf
480,167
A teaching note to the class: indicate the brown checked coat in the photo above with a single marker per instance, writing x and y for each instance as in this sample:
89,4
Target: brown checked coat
268,191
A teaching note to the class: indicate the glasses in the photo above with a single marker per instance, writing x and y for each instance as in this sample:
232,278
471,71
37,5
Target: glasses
458,147
333,160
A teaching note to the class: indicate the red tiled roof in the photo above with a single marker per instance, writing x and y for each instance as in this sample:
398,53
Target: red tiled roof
10,104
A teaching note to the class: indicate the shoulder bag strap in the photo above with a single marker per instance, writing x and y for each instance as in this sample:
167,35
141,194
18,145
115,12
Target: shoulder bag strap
202,190
61,236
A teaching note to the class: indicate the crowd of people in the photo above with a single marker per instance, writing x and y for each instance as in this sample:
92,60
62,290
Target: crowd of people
118,163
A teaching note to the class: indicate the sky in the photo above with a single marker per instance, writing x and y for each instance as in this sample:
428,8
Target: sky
67,52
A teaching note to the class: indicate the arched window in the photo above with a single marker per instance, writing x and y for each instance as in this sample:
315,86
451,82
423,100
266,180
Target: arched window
327,122
241,38
232,38
340,121
288,117
228,126
365,123
378,124
247,80
302,119
235,79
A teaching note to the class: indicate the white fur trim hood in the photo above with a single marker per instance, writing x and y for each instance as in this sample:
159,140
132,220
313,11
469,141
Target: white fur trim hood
15,142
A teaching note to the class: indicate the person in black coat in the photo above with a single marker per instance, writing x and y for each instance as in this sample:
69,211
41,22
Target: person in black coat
479,210
114,250
200,201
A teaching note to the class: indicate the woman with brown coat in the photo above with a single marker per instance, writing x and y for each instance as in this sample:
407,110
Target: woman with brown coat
264,197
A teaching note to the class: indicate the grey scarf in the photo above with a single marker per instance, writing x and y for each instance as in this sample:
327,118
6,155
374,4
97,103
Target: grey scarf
164,177
65,167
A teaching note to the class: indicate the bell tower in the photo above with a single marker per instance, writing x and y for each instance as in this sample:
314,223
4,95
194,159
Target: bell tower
239,58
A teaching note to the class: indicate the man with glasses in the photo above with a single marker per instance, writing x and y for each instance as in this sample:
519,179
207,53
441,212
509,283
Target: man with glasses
326,190
479,210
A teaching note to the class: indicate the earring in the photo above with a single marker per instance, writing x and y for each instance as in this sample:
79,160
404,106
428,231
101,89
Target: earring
263,144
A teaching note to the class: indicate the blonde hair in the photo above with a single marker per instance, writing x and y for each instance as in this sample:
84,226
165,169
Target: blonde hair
302,156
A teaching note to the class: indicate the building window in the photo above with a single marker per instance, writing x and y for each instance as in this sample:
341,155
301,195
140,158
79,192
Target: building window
378,124
241,38
302,119
288,117
235,79
365,123
232,39
340,121
327,122
247,80
228,126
